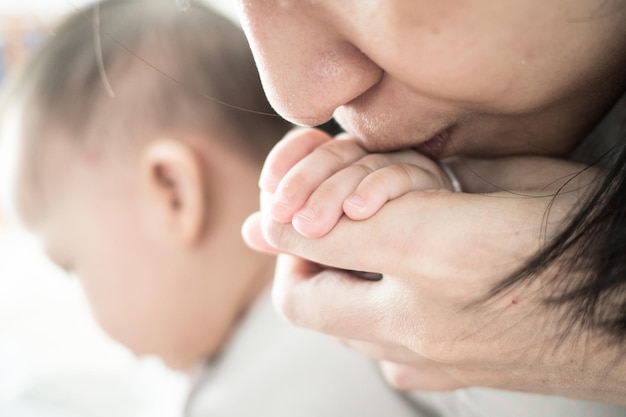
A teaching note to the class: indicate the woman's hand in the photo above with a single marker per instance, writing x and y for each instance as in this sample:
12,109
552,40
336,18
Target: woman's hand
441,253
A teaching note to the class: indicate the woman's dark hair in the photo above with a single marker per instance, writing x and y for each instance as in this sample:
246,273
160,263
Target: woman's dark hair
585,264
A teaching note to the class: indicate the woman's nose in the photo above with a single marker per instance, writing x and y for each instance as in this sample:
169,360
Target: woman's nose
307,68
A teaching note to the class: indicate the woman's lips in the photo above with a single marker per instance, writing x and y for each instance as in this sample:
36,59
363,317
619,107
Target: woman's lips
368,276
364,275
435,146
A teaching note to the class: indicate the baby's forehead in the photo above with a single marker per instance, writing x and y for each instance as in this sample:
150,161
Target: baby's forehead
39,171
52,198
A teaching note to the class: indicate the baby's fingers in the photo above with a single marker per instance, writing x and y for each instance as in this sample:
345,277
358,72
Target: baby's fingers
325,205
386,184
309,173
296,144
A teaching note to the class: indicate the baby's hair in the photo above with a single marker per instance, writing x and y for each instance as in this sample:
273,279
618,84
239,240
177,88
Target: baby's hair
131,69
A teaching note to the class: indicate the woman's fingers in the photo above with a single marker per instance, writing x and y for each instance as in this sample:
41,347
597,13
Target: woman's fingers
343,304
253,236
423,377
398,240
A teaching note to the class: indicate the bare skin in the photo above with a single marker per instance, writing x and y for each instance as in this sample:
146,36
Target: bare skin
340,177
474,78
445,348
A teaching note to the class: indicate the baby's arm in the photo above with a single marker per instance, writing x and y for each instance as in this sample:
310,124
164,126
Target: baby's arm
315,179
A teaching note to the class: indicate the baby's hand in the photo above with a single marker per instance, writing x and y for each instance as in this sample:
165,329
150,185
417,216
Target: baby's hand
315,179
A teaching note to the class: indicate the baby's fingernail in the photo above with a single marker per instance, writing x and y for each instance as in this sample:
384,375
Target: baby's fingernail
307,214
356,201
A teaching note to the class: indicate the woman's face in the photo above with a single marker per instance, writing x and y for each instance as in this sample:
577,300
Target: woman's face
494,77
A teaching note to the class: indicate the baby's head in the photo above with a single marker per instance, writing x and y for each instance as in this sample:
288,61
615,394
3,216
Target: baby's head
138,162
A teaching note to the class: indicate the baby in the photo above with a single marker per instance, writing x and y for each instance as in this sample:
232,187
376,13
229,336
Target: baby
142,132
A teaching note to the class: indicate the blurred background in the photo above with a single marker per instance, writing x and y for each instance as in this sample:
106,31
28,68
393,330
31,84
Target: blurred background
54,360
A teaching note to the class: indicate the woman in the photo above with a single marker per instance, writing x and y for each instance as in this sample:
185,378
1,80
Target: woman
515,293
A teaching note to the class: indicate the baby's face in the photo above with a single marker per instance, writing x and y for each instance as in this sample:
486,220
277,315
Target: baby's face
498,77
146,290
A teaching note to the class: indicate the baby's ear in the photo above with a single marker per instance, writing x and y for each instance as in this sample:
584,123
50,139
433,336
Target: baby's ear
173,181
